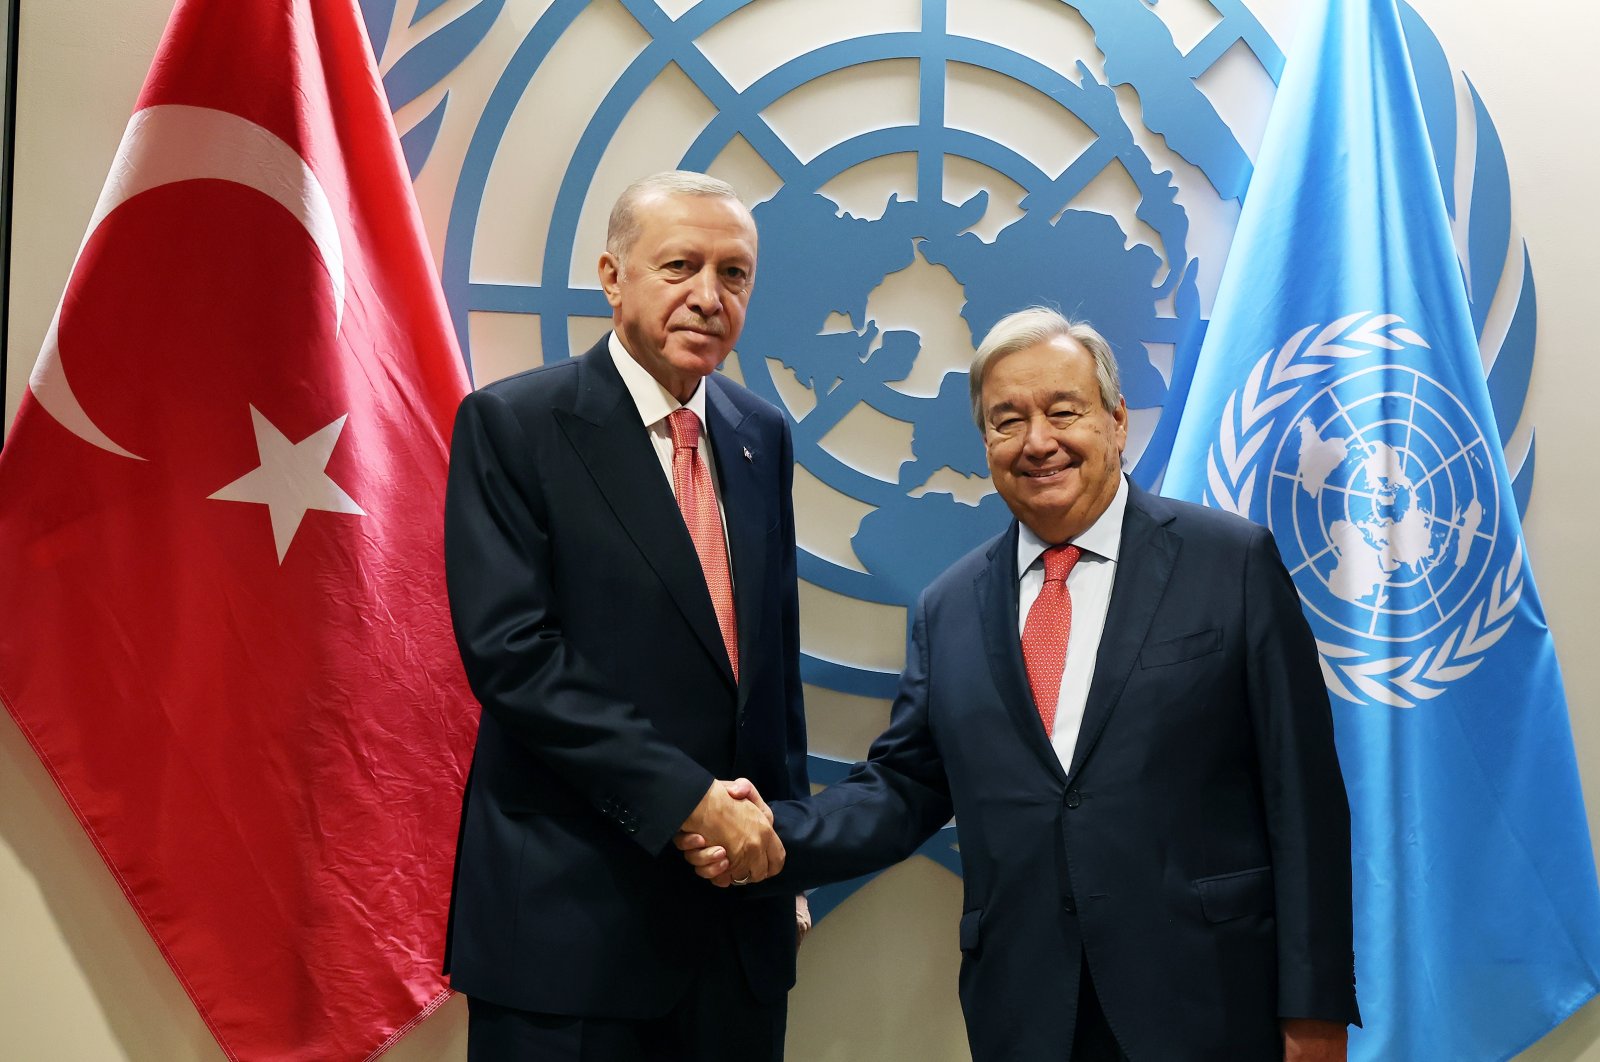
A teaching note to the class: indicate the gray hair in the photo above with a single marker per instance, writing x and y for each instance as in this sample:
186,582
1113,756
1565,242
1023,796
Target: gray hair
1030,327
624,226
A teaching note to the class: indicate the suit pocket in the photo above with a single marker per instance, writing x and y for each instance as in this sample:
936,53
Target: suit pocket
1187,647
1229,896
971,923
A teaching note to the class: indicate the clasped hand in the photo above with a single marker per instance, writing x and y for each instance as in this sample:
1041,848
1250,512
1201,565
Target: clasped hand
728,839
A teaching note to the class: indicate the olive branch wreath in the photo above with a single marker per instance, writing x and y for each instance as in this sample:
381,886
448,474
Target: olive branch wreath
1233,472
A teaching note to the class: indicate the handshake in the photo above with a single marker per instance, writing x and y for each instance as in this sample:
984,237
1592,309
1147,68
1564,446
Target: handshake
728,838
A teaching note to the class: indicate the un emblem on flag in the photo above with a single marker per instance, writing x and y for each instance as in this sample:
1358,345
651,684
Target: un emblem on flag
1385,477
1379,485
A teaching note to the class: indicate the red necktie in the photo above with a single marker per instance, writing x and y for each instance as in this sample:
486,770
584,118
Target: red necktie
1044,636
698,501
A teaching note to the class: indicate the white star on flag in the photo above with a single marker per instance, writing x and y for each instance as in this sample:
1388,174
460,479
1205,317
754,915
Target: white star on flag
291,479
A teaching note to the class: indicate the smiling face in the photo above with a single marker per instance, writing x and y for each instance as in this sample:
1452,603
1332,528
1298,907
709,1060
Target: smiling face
1055,450
678,294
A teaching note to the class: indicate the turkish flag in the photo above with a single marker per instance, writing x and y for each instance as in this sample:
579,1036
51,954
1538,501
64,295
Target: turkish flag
221,509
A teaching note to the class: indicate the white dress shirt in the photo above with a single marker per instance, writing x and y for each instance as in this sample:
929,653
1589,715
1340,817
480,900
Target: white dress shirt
1089,583
654,404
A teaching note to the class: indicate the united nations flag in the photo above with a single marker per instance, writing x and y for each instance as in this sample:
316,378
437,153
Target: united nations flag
1340,400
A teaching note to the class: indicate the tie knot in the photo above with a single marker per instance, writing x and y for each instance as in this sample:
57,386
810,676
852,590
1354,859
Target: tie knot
1058,561
685,427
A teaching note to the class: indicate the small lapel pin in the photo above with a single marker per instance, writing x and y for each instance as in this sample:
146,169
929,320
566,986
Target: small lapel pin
748,456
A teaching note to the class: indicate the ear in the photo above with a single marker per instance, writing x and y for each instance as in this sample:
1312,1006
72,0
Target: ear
611,278
1120,415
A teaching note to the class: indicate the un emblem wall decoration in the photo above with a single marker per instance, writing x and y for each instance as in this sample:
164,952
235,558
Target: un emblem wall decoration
918,169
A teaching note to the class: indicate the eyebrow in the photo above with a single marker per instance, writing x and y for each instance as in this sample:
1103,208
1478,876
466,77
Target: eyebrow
1008,406
673,252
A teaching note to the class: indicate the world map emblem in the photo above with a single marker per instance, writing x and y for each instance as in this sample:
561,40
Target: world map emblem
827,340
952,167
1380,488
1394,510
890,242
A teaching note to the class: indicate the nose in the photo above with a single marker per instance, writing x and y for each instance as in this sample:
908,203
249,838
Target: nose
1040,439
705,296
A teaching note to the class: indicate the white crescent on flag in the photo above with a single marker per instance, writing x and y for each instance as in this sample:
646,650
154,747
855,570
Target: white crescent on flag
170,143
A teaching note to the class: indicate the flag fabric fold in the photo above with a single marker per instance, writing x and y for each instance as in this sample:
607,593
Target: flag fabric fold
1339,399
221,505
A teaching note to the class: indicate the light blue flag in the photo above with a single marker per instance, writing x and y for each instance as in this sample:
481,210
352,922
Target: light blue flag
1340,399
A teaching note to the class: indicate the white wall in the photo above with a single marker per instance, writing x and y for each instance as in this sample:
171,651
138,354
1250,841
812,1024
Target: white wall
82,981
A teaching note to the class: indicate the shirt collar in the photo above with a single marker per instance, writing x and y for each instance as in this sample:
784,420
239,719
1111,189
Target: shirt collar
652,400
1103,538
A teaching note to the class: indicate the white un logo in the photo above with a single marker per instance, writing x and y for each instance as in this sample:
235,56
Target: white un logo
1383,492
1380,489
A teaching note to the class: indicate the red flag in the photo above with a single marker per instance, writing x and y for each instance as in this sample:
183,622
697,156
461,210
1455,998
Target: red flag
221,503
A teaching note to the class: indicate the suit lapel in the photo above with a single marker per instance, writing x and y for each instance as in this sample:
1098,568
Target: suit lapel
1148,551
733,438
605,431
996,588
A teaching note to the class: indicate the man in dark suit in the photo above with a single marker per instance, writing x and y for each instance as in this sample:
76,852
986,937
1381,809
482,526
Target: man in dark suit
1154,832
624,663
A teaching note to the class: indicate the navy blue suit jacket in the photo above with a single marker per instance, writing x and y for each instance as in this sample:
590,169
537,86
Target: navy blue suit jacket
1197,853
609,704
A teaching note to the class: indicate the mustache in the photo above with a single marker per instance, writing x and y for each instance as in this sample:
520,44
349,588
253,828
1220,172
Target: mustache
711,326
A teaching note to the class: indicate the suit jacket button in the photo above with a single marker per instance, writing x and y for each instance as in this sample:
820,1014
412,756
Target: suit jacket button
1069,905
1072,798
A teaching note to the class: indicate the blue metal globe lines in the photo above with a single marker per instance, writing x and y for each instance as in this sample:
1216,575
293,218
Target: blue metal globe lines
820,266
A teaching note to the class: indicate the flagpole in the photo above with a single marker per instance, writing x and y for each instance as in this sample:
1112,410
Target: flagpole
7,187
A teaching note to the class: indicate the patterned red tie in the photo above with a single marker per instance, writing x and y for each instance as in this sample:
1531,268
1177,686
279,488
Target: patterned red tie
1044,636
692,484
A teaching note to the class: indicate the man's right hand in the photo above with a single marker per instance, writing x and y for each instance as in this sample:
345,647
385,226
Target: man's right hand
730,835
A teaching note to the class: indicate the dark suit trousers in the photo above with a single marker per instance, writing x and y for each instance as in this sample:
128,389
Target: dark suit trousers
717,1018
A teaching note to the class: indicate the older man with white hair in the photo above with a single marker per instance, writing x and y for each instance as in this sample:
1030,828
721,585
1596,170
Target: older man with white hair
1119,700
